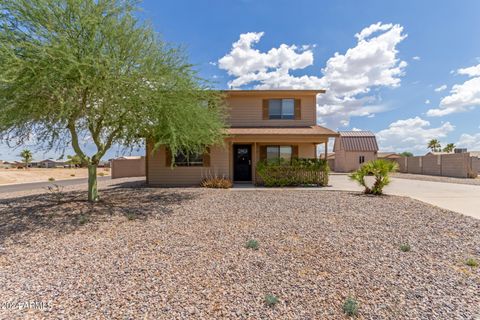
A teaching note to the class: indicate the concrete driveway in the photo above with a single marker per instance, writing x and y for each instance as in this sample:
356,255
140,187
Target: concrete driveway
460,198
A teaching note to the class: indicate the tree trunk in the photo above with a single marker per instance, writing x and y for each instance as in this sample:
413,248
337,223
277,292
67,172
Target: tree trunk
92,183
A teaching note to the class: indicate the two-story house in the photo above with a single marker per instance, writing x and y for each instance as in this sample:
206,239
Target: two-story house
263,124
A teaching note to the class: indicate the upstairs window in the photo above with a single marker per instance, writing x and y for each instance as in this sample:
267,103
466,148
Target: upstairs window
275,153
281,109
189,159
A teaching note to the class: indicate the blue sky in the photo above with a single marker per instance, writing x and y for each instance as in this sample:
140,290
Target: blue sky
407,50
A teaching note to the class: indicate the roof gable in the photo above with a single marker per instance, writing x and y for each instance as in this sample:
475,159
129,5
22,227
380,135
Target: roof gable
357,141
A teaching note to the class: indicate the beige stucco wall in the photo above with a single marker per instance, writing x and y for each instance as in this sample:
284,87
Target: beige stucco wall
123,168
347,161
247,112
159,174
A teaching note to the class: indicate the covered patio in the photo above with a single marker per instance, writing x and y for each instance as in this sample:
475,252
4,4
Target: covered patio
248,145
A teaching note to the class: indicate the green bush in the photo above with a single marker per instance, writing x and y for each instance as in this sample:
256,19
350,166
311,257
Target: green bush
252,244
271,300
298,172
350,307
380,169
405,247
471,262
51,179
82,219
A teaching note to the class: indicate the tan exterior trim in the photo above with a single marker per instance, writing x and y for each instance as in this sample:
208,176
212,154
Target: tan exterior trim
265,109
298,109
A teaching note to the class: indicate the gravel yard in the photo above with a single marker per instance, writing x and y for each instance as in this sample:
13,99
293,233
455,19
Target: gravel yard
180,253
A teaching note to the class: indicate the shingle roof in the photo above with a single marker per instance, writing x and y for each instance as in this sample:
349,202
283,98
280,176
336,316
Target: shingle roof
311,130
358,141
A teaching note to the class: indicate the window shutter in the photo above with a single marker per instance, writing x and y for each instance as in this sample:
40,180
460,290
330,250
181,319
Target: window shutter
298,109
263,153
294,152
265,109
206,158
168,157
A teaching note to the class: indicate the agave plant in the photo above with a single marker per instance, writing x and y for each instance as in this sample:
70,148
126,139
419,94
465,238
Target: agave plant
380,169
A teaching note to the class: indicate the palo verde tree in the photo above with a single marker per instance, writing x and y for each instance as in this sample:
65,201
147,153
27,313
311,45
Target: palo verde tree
76,70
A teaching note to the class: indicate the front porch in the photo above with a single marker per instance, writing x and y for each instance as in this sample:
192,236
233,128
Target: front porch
248,146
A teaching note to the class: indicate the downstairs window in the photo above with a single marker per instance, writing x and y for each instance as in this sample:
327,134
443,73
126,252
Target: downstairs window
275,153
188,159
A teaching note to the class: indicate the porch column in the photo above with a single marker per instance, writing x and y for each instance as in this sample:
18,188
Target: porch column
326,149
254,164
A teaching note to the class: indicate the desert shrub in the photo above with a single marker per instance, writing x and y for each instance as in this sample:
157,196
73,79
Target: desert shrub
471,262
350,307
298,172
82,219
72,175
56,191
271,300
380,169
220,183
405,247
51,179
214,180
101,174
131,216
252,244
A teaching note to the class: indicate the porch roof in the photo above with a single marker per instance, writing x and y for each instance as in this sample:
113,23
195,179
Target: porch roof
309,130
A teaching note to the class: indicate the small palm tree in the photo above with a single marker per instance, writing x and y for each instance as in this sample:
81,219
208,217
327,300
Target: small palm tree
380,169
449,147
434,145
26,156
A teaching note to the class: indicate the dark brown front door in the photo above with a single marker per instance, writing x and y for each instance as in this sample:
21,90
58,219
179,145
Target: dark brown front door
242,162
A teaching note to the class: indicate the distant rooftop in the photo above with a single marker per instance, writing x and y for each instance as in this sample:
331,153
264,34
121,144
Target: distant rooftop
358,141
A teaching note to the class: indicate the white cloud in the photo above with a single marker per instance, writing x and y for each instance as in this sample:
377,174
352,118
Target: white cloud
348,77
427,101
411,134
469,141
417,58
463,97
441,88
470,71
212,63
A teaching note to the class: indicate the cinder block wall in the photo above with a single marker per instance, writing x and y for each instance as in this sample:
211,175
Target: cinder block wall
475,162
123,168
414,165
432,165
402,164
456,165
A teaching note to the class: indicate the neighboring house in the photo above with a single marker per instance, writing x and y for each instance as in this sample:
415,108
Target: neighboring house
263,124
353,148
50,163
388,155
